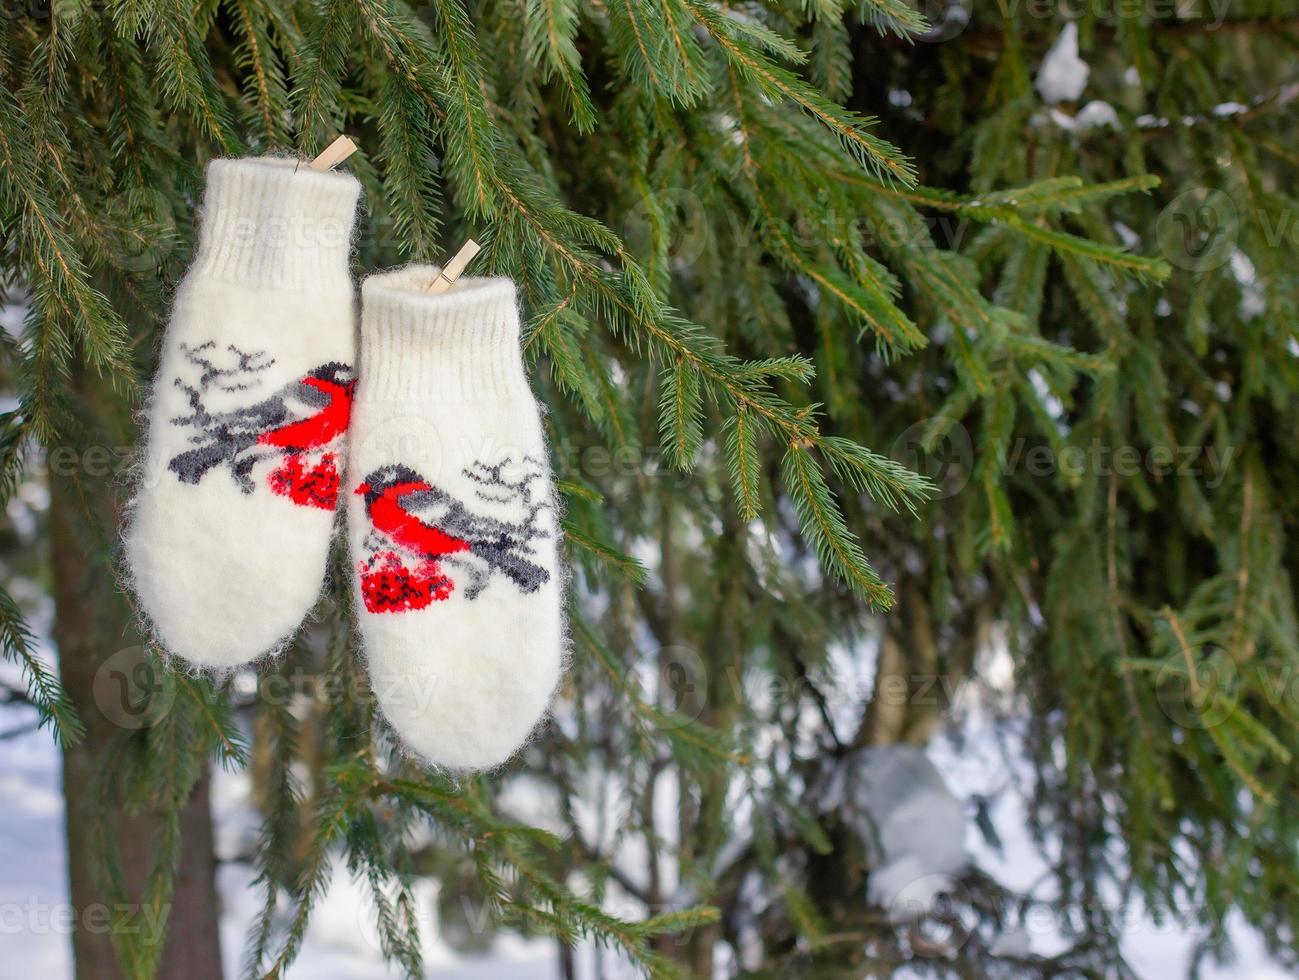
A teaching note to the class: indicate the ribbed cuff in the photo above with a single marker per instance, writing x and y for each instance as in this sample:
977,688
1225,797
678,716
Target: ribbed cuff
268,221
461,345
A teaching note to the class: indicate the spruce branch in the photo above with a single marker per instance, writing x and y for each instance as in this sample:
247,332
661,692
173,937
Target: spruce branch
552,27
64,297
43,690
567,235
742,433
470,139
778,83
318,79
824,525
184,74
607,555
265,83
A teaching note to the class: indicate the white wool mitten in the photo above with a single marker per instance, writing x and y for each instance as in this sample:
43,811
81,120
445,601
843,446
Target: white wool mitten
451,520
229,532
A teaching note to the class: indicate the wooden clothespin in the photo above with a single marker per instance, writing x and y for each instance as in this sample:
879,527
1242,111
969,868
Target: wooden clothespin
451,271
334,154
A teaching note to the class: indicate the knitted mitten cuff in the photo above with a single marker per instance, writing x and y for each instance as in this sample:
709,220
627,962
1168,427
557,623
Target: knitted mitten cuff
457,346
269,221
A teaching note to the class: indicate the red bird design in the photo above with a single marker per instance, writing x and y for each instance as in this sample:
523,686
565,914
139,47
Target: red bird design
335,384
423,520
296,422
384,505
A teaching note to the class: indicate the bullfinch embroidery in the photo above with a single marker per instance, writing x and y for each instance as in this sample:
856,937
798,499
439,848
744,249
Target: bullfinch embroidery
418,532
452,526
227,535
299,427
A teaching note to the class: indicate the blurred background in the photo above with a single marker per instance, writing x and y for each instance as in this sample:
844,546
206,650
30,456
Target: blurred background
920,384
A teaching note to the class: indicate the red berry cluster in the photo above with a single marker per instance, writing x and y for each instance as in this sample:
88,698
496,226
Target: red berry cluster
389,586
314,487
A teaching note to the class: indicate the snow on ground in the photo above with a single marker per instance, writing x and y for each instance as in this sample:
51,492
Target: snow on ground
33,870
989,761
340,942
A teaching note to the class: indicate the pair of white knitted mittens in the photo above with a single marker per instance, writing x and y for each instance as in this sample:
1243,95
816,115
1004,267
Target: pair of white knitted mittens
260,426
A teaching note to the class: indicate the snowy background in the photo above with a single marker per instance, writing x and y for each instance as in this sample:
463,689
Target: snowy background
341,944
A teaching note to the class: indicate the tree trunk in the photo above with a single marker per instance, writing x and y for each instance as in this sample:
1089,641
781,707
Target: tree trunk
92,624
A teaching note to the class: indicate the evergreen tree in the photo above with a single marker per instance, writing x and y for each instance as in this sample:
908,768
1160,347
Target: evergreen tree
852,338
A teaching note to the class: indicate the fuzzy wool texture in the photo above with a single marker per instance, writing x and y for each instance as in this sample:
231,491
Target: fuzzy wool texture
229,529
452,523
